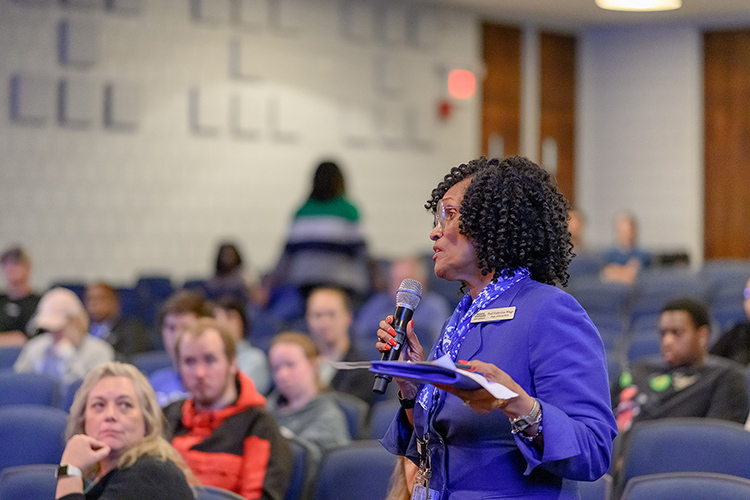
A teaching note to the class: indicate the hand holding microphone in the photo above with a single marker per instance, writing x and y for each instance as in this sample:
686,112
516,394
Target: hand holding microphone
407,298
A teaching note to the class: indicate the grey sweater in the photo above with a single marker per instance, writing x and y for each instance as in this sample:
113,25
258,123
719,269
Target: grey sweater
320,422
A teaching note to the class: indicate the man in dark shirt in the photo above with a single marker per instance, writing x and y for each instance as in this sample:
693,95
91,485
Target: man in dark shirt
735,343
329,318
126,335
687,381
18,303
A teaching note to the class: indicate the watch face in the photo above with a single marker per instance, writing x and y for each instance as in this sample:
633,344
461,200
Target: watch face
521,424
67,470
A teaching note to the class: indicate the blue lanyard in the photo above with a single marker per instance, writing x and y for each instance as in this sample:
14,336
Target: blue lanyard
453,337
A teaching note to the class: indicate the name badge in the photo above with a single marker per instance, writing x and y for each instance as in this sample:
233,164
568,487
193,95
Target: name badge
422,493
499,314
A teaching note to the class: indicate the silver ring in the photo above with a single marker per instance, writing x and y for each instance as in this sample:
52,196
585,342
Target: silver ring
467,402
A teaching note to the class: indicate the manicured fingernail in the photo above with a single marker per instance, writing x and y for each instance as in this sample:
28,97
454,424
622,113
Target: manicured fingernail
463,361
393,342
392,331
473,369
411,323
387,347
389,319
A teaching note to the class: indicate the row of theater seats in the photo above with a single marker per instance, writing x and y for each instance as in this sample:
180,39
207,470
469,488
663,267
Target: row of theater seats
359,470
33,434
32,427
615,307
664,459
627,307
286,305
627,316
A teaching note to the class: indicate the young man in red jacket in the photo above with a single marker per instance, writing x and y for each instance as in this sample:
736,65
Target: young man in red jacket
223,431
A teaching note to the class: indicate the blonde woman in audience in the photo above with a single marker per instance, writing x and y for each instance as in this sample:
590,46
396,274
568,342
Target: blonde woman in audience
65,350
115,440
297,402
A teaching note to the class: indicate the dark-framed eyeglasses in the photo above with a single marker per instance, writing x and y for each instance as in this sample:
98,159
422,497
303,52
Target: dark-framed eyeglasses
440,212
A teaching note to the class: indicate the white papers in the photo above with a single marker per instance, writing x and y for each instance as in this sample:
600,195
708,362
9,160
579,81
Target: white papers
443,371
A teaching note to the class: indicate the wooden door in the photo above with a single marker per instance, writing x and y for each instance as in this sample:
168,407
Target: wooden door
727,144
558,107
501,92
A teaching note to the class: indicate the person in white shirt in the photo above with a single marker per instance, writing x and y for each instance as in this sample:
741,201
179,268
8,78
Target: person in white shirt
65,350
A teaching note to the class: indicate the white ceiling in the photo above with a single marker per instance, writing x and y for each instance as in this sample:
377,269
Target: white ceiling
582,13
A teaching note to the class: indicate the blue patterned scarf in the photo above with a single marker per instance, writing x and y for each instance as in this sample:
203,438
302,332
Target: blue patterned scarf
458,326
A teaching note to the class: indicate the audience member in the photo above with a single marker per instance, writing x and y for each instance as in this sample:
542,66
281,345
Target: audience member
735,343
576,227
325,245
297,402
230,314
586,262
115,440
179,312
223,430
624,260
329,317
18,303
429,316
233,277
65,351
126,335
686,381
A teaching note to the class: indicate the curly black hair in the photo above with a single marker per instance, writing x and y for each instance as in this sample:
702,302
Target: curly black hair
514,215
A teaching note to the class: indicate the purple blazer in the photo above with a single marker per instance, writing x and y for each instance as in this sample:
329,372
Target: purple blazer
551,349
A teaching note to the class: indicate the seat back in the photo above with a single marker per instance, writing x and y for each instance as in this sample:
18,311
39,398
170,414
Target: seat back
24,482
28,389
656,287
66,401
686,445
639,348
306,462
129,303
359,470
31,434
601,298
381,417
8,356
149,362
601,489
214,493
151,291
687,486
355,411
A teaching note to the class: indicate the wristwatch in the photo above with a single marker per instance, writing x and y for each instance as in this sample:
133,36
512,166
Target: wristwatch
64,470
518,424
406,404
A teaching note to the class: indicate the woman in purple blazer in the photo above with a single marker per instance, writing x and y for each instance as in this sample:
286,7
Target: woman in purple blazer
501,229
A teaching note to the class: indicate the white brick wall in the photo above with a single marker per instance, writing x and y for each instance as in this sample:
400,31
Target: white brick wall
156,191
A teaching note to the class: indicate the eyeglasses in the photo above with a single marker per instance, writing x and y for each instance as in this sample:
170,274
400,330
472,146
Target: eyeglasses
440,214
747,292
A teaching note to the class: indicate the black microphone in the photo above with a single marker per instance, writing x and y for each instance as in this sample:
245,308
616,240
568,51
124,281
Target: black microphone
407,298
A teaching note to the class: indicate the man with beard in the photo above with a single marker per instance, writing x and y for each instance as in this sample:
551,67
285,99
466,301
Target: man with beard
223,431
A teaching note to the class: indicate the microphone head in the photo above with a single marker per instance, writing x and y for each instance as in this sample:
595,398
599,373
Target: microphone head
409,294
